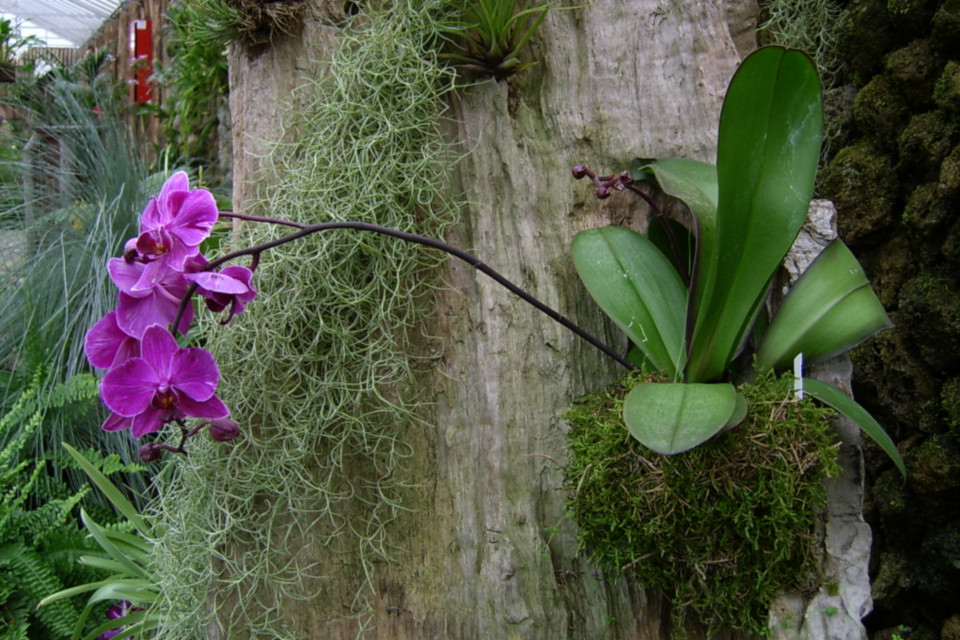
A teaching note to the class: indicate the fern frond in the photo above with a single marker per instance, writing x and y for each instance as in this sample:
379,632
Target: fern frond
36,579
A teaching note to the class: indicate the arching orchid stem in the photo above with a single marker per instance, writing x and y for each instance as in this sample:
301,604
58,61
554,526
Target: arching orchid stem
250,218
476,263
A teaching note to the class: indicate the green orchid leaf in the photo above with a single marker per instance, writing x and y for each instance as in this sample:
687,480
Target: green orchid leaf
767,152
692,182
674,417
636,358
73,591
828,311
682,258
138,592
638,288
846,405
739,412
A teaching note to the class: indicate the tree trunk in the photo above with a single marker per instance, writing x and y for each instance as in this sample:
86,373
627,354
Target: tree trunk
486,550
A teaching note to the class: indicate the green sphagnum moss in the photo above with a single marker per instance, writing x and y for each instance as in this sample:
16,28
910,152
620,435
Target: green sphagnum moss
721,528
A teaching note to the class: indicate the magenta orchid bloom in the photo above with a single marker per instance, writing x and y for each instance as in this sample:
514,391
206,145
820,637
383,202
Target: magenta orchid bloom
106,345
158,304
172,227
230,287
164,384
115,612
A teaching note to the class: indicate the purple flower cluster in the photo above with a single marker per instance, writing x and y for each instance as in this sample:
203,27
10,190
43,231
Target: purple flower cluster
150,380
114,612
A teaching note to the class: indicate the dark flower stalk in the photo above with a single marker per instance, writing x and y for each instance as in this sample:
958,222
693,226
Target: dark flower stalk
151,381
476,263
606,185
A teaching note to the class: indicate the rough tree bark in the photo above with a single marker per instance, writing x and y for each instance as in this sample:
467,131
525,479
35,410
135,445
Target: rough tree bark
488,552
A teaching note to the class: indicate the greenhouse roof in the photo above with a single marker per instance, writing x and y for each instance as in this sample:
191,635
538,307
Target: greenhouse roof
73,21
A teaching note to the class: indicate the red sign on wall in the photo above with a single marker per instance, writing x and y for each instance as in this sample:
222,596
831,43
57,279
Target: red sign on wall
141,44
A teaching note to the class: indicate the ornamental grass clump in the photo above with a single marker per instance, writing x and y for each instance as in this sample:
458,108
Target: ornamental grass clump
722,528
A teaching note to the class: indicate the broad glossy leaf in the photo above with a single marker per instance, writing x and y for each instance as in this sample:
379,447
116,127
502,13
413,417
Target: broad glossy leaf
768,146
739,412
674,417
828,311
638,288
692,182
850,408
682,239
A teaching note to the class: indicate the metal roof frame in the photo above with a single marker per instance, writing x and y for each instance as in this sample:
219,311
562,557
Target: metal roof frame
73,20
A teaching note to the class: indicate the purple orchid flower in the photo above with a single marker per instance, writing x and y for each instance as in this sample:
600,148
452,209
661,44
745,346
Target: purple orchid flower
114,612
158,304
117,423
106,345
165,383
172,227
230,287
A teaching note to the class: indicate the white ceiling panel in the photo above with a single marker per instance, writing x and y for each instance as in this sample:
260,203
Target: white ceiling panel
72,20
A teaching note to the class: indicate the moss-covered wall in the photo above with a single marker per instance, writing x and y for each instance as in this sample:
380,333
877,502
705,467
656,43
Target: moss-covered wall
895,178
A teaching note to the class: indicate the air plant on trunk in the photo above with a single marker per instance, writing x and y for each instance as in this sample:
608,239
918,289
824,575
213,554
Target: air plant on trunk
488,35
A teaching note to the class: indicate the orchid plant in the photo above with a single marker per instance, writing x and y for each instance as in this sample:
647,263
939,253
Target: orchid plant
151,381
690,317
698,317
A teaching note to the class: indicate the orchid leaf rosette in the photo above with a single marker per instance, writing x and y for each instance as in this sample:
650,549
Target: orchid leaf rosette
150,380
698,318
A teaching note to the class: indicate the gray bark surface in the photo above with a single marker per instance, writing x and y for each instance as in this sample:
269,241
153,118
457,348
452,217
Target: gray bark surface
487,551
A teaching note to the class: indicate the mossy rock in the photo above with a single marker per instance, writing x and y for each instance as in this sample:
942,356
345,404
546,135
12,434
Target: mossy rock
864,35
926,216
863,184
948,186
945,34
950,402
915,68
887,367
931,305
721,528
920,531
934,472
924,144
911,17
946,91
880,110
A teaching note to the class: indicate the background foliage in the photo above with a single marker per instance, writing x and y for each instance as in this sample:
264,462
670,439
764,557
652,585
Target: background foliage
70,192
195,80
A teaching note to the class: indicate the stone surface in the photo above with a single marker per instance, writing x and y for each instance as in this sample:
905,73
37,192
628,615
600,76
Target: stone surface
836,610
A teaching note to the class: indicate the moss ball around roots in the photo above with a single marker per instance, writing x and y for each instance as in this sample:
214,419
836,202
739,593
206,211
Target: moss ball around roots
722,528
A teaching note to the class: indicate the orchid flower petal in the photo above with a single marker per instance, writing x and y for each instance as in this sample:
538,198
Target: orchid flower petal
194,373
116,423
129,388
195,218
159,348
149,421
106,345
218,282
211,408
126,275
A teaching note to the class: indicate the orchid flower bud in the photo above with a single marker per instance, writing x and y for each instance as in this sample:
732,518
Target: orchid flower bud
224,429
